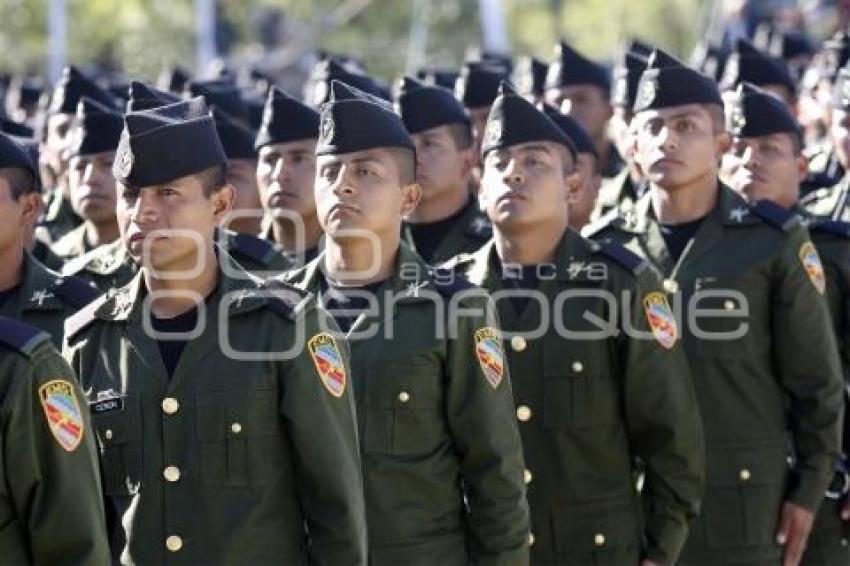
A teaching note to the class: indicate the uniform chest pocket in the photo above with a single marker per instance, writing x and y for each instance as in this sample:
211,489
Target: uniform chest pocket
119,438
241,442
404,412
727,317
745,486
578,388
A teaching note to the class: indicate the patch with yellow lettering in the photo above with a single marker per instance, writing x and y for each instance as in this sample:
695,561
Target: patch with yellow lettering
328,360
491,356
811,262
661,319
62,410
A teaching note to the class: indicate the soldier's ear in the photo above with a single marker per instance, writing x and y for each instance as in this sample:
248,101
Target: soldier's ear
802,167
410,198
723,143
467,162
222,201
574,186
31,206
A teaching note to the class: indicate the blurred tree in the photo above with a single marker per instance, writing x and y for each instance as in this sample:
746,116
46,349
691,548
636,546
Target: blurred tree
145,35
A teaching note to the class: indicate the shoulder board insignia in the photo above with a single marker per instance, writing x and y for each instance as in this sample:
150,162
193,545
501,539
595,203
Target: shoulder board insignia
775,215
252,248
75,265
612,219
83,317
76,291
622,256
21,336
834,227
448,282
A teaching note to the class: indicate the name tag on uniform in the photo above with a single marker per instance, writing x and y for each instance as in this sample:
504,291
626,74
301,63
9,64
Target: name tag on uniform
106,402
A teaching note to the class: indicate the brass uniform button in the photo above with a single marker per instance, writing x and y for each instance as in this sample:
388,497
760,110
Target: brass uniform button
523,413
174,543
170,405
171,473
518,343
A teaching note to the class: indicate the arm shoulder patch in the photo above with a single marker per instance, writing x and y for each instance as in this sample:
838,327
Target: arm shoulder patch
622,256
76,291
21,336
775,215
83,317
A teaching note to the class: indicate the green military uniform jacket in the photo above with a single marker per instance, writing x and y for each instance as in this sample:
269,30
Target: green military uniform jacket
589,407
776,377
59,217
110,266
45,298
617,193
467,234
828,541
51,510
442,459
239,456
73,244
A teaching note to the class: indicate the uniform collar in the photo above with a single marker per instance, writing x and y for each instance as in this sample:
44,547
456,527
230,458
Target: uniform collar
243,291
411,275
38,287
571,259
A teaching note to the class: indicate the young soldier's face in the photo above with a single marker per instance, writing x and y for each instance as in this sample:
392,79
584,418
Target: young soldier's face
586,103
839,132
441,167
526,184
285,175
170,226
92,186
362,191
767,167
680,145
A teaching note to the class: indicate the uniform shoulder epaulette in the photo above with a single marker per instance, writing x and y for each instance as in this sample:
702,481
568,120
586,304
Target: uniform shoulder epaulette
449,282
287,297
622,256
251,247
834,227
76,291
455,262
21,336
83,317
775,215
75,265
612,219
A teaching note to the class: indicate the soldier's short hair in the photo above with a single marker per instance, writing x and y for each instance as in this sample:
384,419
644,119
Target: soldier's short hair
212,179
462,135
21,181
405,161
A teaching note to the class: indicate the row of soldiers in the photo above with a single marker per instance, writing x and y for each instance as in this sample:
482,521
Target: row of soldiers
188,250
